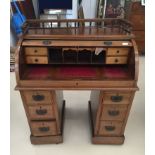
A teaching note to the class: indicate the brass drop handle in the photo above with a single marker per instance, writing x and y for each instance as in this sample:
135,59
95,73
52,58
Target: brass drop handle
41,111
113,113
110,128
36,60
116,98
44,129
38,97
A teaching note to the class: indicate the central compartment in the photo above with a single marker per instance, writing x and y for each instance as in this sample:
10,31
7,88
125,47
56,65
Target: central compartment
75,55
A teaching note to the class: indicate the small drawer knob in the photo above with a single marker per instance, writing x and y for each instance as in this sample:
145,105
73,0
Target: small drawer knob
35,51
117,51
36,60
116,60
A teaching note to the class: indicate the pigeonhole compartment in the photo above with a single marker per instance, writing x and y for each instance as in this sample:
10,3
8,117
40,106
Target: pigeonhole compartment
55,55
70,55
98,58
84,56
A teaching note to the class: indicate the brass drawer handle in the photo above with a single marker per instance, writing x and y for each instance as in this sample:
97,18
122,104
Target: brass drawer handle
38,97
116,98
113,113
110,128
47,42
107,43
44,129
41,111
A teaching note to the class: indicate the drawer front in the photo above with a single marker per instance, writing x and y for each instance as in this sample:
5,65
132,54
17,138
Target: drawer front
116,60
35,51
41,112
116,98
37,97
43,128
110,128
117,51
114,112
36,60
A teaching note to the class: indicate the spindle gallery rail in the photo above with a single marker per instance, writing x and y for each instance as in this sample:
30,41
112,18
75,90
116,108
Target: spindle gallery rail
77,27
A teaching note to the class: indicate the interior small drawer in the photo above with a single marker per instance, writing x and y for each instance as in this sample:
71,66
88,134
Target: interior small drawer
37,97
110,128
117,51
36,51
41,112
36,60
114,112
43,128
116,60
116,97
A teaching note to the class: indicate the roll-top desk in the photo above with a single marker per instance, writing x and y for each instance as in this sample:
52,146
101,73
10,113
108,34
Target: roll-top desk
79,54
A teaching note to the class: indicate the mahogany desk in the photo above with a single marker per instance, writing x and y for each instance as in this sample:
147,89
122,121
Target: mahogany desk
80,54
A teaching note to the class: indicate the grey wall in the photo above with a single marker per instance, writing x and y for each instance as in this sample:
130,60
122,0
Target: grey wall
89,8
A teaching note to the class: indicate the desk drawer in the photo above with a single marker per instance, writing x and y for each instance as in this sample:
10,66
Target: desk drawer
41,112
116,98
116,60
43,128
35,51
37,97
36,60
114,112
110,128
117,51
